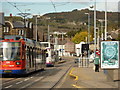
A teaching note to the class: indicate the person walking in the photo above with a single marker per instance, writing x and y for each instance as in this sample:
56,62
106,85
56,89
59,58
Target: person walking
96,62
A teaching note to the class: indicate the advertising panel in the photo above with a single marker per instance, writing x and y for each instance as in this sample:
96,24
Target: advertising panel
109,54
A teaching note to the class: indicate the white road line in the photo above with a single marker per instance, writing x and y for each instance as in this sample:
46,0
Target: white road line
9,86
37,80
37,74
10,81
26,79
19,82
31,77
29,84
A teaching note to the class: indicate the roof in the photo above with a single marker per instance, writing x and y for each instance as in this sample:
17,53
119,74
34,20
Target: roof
2,18
18,24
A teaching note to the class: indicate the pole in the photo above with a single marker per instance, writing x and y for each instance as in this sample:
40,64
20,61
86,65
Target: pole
36,28
95,28
98,38
48,33
88,35
89,28
62,43
105,19
24,26
102,30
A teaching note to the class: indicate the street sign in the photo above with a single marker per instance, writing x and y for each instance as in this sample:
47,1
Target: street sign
110,54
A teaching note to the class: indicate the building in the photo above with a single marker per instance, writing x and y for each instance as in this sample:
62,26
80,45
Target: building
18,28
2,23
69,48
78,48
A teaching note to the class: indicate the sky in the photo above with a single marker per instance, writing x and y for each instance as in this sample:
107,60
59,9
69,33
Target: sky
41,7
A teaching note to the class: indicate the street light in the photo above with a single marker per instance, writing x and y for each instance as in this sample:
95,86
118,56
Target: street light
105,19
88,27
88,31
24,15
36,16
95,27
101,21
98,37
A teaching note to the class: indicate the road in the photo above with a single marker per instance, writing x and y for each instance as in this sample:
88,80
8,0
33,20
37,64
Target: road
51,77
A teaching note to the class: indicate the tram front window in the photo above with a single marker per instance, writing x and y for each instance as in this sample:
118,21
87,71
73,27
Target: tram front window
9,51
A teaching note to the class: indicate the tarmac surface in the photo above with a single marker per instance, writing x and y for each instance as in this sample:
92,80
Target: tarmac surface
87,78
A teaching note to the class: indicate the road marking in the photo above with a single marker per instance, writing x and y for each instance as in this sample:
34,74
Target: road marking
27,79
19,82
37,74
10,81
29,84
76,86
31,77
9,86
75,76
37,79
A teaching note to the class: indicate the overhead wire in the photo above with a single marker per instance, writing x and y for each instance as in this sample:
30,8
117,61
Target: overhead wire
53,5
14,6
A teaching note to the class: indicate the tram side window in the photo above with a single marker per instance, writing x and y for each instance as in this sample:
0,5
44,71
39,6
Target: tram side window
23,52
1,54
29,55
32,53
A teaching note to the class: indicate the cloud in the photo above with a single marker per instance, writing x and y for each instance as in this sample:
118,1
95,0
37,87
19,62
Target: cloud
101,6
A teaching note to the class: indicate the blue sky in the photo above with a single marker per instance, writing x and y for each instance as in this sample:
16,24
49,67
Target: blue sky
46,6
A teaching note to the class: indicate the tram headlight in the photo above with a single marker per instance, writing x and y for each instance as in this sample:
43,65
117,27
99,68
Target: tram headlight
18,63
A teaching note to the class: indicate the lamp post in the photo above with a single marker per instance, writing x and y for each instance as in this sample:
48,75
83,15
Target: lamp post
24,15
101,21
105,19
98,37
88,27
88,31
36,22
95,27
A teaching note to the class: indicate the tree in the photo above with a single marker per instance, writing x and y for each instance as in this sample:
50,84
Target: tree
81,36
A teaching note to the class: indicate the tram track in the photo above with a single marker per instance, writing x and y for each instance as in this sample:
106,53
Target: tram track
40,78
55,85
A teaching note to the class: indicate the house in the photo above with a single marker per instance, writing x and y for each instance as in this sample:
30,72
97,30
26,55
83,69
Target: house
2,23
18,28
78,48
69,48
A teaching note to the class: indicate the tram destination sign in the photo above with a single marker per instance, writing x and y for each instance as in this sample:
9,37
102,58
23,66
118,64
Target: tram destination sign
110,55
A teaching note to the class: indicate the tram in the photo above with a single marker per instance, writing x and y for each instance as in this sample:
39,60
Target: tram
51,55
21,56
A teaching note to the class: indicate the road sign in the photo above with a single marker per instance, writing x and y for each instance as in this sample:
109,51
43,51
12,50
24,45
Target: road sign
98,52
109,54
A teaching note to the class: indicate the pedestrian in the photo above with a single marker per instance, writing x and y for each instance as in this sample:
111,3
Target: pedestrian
96,62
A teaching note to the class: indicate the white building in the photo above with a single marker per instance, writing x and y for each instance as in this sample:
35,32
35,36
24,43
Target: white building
78,48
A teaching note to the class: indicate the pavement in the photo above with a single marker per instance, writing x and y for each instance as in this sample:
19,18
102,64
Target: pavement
86,77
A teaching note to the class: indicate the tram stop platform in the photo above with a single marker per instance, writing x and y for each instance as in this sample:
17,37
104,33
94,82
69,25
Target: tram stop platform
86,77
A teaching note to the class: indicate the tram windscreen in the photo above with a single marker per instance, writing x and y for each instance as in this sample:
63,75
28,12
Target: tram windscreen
9,51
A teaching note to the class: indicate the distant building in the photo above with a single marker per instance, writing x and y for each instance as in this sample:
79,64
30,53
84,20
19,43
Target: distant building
78,48
69,48
18,28
2,23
